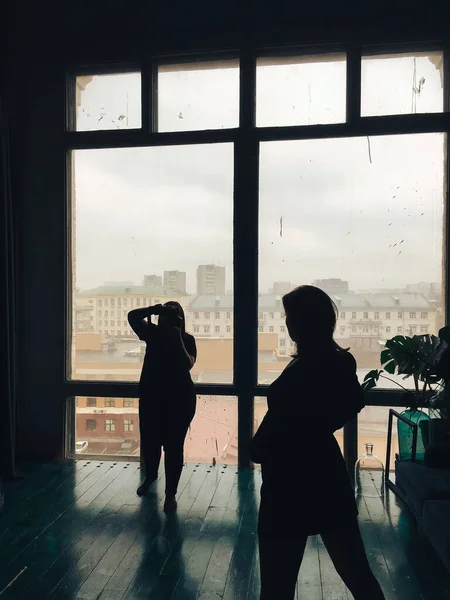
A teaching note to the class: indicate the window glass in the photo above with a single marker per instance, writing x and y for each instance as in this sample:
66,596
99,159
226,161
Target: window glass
108,101
397,84
186,194
301,90
200,95
384,197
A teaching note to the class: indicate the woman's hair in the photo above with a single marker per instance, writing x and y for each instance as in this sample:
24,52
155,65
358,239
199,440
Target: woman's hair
312,316
180,312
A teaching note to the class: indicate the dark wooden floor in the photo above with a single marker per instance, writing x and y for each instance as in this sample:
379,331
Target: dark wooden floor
76,529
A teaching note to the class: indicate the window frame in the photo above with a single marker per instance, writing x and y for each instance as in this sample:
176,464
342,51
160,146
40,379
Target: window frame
246,139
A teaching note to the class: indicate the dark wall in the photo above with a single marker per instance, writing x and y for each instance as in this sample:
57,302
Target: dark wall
41,41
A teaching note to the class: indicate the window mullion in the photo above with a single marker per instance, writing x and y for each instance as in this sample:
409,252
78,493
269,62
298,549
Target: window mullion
245,247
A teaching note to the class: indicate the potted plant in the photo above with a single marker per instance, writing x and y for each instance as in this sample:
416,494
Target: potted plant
425,358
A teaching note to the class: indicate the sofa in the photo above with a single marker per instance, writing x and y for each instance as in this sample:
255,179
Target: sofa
426,491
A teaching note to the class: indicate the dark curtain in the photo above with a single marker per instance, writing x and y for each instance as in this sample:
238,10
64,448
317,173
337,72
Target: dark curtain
7,297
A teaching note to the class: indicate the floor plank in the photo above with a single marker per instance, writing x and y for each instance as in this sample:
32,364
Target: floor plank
77,530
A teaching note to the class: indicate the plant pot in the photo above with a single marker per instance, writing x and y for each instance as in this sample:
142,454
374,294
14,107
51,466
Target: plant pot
405,434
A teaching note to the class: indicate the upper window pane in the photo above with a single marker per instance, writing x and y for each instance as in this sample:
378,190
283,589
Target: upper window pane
108,101
301,90
200,95
399,84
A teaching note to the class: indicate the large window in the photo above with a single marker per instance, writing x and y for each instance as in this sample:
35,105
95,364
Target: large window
223,182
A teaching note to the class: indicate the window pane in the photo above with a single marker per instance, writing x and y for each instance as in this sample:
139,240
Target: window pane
373,429
301,90
399,84
106,429
378,253
145,224
213,432
201,95
115,430
108,101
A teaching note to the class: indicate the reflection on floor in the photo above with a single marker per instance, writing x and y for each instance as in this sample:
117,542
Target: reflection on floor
76,529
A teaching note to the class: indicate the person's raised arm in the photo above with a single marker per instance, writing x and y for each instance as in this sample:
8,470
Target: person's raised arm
139,324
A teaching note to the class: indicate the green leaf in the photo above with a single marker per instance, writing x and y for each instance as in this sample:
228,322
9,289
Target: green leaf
390,367
385,356
368,385
370,380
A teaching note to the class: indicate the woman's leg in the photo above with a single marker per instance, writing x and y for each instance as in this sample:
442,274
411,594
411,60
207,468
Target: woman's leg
150,430
346,550
280,561
174,452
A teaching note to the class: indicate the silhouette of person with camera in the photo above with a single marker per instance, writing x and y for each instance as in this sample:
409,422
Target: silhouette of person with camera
167,399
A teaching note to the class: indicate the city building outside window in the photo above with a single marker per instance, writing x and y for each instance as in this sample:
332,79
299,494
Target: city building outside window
196,315
400,315
271,329
217,315
342,315
366,315
91,424
388,329
388,315
207,328
376,316
110,402
128,425
110,425
282,343
207,315
228,315
217,329
91,402
196,329
399,329
228,329
412,315
128,402
353,315
282,328
424,315
271,315
261,329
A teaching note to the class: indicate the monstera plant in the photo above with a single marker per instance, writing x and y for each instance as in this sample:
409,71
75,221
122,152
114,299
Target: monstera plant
425,358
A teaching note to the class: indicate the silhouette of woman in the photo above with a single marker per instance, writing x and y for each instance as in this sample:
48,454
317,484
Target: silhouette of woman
167,395
303,470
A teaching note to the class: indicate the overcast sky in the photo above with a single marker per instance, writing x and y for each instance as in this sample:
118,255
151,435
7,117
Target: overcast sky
369,211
